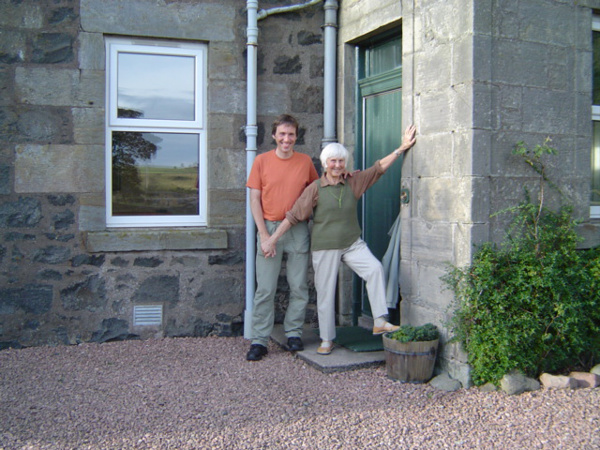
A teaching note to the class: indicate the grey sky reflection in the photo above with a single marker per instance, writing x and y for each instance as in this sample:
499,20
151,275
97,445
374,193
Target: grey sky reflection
173,150
158,86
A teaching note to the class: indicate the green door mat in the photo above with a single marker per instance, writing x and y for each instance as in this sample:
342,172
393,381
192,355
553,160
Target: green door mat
357,339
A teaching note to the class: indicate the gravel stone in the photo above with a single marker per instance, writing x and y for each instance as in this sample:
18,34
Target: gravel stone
197,393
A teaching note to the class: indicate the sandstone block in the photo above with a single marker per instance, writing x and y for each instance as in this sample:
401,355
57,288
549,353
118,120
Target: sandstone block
586,379
558,381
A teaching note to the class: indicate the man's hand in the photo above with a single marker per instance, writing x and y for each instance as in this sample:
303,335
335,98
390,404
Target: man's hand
268,247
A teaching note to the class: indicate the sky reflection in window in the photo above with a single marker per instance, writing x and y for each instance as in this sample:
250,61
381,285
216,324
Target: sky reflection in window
152,86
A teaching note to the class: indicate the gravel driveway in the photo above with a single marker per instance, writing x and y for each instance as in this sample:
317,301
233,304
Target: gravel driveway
201,393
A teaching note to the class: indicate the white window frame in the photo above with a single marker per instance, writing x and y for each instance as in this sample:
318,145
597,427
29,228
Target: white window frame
595,210
197,126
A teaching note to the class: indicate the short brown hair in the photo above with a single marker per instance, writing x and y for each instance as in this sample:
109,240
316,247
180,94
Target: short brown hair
284,119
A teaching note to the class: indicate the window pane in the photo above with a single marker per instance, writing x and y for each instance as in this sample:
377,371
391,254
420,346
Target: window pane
155,86
596,166
596,77
383,57
154,173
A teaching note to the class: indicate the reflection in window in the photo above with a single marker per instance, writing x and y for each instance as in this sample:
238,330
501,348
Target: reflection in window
154,173
596,69
383,57
595,157
156,86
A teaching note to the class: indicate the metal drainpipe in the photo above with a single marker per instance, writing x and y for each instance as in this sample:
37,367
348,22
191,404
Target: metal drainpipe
330,27
264,13
251,134
329,72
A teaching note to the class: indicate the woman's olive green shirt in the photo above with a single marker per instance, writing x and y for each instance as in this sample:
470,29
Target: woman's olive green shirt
333,206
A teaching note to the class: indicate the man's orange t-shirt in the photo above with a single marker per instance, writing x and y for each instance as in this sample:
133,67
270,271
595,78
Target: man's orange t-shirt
281,181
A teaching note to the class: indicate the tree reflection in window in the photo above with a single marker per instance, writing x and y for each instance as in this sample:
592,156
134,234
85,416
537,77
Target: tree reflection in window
128,148
154,173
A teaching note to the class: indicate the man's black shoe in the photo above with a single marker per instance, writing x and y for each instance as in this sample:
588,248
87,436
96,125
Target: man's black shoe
256,352
295,344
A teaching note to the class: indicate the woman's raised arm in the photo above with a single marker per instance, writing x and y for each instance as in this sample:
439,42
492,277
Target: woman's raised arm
408,140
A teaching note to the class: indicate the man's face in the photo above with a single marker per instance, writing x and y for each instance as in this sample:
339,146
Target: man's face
285,138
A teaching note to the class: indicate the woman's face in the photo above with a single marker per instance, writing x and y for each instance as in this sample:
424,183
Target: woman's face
336,166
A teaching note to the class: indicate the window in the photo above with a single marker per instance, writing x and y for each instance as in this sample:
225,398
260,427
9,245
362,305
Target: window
156,133
595,160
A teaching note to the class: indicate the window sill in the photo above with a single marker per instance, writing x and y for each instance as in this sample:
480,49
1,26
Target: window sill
126,240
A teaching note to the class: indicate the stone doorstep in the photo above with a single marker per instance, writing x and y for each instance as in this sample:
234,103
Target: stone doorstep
340,360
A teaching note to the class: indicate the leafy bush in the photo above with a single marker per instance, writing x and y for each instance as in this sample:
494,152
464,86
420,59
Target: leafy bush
409,333
532,303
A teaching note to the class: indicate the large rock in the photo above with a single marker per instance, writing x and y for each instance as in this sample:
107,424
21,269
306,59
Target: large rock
26,212
515,383
31,298
586,379
488,387
89,295
113,329
445,383
558,381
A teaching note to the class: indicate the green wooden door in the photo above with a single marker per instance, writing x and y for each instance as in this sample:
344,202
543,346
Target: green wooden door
380,125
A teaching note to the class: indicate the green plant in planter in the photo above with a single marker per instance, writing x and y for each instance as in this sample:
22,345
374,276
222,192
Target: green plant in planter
409,333
532,303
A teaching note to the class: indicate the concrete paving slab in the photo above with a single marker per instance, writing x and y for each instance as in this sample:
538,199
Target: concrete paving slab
341,359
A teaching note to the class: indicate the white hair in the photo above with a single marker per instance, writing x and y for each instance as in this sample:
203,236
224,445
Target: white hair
336,150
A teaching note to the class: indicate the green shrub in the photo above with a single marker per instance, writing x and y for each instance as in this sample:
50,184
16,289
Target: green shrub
532,303
409,333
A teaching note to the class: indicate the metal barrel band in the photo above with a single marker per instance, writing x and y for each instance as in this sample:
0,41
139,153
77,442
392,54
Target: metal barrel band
396,352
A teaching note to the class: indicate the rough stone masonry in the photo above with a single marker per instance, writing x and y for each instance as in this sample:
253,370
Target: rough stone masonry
64,277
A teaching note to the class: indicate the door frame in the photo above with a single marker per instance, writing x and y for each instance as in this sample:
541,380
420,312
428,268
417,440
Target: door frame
368,86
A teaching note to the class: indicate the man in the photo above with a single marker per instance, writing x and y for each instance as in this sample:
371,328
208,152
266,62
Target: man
276,180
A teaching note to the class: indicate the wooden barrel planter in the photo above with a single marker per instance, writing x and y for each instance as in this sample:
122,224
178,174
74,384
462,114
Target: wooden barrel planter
410,362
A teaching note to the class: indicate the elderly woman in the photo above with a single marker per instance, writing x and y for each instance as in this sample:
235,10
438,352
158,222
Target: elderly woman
336,234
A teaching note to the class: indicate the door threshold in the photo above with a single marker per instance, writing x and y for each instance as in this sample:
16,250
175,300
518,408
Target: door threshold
341,359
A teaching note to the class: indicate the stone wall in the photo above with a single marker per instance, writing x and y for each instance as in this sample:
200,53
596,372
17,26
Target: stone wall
66,278
479,77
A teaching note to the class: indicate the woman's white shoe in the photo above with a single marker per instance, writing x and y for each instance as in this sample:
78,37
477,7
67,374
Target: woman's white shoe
325,348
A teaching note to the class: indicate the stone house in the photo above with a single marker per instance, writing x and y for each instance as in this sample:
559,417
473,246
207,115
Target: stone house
127,127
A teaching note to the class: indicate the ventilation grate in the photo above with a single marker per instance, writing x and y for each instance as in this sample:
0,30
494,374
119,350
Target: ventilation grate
147,315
